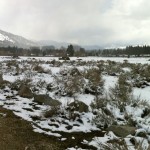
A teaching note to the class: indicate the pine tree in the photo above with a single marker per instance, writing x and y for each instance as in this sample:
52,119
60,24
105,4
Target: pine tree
70,50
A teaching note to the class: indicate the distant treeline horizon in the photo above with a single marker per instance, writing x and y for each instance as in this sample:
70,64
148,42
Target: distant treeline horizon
129,50
51,51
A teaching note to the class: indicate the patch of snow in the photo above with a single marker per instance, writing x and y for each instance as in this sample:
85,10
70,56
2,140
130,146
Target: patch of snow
85,98
142,93
42,131
98,141
110,82
126,69
5,38
63,139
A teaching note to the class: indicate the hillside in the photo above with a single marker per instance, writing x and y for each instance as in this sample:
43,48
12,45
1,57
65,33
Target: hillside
9,39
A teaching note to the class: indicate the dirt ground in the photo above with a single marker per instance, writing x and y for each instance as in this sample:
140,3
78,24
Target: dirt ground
17,134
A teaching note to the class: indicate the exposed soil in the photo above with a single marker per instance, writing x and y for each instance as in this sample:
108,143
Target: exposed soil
17,134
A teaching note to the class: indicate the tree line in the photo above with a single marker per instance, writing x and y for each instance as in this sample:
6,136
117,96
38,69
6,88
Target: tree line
127,51
42,51
71,51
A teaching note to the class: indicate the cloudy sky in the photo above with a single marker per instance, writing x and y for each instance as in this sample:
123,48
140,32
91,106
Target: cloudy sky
86,22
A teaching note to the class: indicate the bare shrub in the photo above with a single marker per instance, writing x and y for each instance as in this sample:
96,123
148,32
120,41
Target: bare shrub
29,74
17,70
39,69
101,66
102,120
68,83
143,103
141,145
17,83
103,116
95,81
112,67
130,120
140,75
100,102
145,73
121,94
41,84
11,63
136,69
116,146
122,144
113,146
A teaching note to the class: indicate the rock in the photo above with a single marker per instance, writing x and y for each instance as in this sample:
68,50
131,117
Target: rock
120,119
1,78
64,58
146,112
141,84
141,133
113,74
46,100
25,92
122,131
133,141
107,112
79,59
54,124
49,87
145,83
78,106
69,127
89,91
80,121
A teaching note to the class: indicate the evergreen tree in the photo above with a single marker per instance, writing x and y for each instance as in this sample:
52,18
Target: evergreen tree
70,50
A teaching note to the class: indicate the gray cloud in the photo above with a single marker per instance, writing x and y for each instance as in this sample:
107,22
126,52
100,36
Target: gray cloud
97,22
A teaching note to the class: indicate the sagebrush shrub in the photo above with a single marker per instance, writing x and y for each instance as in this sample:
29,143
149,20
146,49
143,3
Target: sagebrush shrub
121,93
95,82
69,82
39,69
102,120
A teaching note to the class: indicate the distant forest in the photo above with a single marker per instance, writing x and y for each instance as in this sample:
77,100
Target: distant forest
136,51
129,51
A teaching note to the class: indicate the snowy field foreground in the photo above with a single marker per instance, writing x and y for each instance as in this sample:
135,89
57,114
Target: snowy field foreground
82,95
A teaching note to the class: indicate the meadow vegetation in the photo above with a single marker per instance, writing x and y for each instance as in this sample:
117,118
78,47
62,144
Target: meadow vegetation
60,91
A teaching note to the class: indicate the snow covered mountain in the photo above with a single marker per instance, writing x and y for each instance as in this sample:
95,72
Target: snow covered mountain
9,39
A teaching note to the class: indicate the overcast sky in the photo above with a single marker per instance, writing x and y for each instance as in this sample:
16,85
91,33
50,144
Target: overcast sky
86,22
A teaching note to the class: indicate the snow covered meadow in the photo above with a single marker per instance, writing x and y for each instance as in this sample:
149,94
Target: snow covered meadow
88,94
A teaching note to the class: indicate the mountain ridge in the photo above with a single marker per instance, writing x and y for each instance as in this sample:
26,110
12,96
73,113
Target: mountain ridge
9,39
